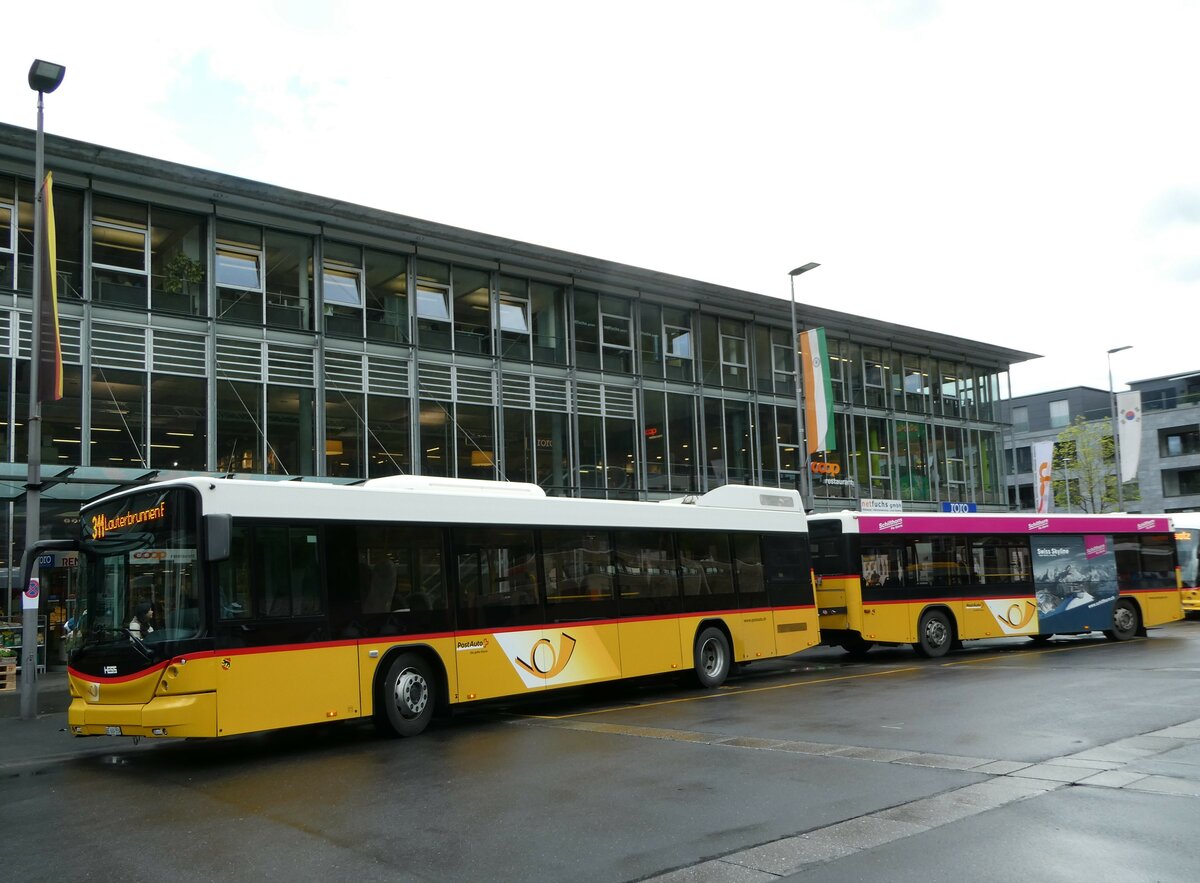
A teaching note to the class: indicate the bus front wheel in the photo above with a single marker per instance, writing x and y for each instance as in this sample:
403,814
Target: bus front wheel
934,635
856,645
408,696
1125,622
712,657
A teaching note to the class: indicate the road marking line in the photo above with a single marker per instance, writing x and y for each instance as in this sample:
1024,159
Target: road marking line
719,695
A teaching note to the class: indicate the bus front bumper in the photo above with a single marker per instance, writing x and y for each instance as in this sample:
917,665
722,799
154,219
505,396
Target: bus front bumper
192,715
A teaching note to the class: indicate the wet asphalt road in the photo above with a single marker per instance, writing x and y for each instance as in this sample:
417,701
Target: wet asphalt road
1076,761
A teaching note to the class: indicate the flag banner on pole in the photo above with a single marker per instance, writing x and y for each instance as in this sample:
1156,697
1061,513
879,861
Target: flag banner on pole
48,349
1043,460
818,392
1129,432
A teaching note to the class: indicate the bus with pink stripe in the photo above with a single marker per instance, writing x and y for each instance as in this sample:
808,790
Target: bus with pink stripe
935,580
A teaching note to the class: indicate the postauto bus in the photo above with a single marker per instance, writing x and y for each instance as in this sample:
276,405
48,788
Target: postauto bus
288,603
934,580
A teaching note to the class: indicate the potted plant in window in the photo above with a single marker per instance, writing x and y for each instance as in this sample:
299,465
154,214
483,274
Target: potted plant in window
181,275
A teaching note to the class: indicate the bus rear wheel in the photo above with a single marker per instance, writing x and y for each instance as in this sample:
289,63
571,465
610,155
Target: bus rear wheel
408,696
712,657
934,635
1125,621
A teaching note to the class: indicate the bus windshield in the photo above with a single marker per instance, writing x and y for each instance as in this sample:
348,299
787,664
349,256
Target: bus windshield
142,578
1187,545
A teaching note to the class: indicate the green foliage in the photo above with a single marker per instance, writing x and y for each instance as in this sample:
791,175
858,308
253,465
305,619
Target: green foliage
1084,469
180,272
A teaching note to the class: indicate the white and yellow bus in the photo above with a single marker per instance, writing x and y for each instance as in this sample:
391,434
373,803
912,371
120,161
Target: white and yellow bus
278,604
1187,548
934,580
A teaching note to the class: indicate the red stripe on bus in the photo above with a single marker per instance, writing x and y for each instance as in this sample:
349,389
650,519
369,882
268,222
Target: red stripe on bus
400,640
100,679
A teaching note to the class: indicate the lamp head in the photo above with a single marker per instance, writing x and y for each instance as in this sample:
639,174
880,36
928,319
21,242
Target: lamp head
1118,349
45,76
804,269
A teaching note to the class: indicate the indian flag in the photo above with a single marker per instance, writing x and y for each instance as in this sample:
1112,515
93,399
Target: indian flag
818,392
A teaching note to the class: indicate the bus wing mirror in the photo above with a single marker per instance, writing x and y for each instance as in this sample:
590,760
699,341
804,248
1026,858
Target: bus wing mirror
218,537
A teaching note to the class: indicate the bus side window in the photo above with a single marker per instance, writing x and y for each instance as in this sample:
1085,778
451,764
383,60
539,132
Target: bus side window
748,568
883,564
233,576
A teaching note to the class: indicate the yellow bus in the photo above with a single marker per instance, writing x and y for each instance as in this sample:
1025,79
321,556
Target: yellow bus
223,606
1187,547
935,580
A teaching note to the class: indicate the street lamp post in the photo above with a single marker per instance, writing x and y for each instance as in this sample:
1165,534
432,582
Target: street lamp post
44,76
801,428
1112,404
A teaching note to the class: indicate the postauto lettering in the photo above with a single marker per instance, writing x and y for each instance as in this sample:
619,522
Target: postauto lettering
819,468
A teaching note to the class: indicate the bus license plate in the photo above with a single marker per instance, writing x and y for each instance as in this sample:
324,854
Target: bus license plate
112,731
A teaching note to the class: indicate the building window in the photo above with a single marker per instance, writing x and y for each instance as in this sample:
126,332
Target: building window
120,252
434,327
1179,442
513,316
1181,482
735,365
616,334
239,279
289,288
118,419
342,290
1025,459
472,311
678,346
1020,419
178,422
386,280
432,302
548,323
8,233
178,244
1158,399
389,421
679,342
1060,413
240,440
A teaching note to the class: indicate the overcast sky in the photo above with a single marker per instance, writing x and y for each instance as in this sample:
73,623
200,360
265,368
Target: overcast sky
1021,173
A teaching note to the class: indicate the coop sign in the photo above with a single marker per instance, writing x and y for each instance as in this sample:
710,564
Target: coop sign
102,525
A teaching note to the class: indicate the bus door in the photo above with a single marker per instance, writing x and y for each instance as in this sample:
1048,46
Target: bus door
1004,603
648,603
278,664
498,641
708,564
581,642
892,575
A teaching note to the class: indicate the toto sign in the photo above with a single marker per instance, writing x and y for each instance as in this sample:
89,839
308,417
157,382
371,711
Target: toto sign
820,468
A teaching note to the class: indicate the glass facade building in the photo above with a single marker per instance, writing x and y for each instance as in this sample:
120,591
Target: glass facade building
214,325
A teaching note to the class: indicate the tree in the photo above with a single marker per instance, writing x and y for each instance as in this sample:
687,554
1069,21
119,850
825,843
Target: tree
1084,469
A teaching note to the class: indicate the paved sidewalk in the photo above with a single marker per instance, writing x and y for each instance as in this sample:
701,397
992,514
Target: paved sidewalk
52,695
45,738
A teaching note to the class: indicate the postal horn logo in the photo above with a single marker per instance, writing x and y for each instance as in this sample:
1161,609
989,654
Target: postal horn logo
544,662
1019,615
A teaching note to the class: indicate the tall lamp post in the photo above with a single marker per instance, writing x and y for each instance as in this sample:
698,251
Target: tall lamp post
800,423
1112,404
44,76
